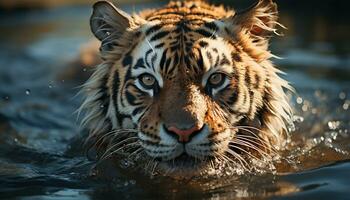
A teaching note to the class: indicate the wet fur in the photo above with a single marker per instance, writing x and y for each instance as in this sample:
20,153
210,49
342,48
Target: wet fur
258,117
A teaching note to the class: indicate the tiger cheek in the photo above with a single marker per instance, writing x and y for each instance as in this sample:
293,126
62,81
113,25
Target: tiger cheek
150,123
150,127
216,124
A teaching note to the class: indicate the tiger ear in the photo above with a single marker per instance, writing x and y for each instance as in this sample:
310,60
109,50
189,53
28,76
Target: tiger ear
108,23
259,20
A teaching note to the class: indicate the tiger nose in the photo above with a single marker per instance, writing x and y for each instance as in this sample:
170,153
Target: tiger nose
184,135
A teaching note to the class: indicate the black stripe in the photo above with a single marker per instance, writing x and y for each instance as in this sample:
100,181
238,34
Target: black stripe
153,59
210,58
203,44
159,35
144,113
174,48
251,96
224,60
131,98
211,25
176,59
155,137
140,64
138,110
115,92
233,98
162,60
146,58
127,77
257,81
154,29
205,33
217,61
167,64
127,60
200,62
236,57
187,61
160,45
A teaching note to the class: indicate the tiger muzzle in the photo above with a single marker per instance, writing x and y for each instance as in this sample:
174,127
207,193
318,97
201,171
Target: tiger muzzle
183,112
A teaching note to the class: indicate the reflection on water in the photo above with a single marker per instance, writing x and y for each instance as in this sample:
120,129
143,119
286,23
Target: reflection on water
40,156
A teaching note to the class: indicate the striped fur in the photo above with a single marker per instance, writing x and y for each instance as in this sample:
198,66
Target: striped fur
181,46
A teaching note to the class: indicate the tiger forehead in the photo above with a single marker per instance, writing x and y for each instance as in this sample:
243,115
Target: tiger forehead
174,38
204,56
194,12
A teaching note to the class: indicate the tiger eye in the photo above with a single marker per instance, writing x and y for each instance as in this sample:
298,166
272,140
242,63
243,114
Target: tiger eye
148,80
216,79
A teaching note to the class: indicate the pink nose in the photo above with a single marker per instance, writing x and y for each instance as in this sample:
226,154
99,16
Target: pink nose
184,134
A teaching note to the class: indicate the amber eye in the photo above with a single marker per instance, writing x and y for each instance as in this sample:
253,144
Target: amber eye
147,81
217,79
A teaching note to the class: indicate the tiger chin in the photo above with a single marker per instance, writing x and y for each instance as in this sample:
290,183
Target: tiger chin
186,88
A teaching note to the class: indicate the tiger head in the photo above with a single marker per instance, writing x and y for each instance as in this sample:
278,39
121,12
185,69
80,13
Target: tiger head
186,84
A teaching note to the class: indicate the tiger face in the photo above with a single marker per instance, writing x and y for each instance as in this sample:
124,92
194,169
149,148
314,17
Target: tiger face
189,83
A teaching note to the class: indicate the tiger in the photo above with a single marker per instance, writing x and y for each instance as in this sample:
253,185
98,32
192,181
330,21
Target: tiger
186,87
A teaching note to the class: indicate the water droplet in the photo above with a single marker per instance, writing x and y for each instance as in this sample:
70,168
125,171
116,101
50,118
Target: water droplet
62,80
346,106
6,97
102,106
84,69
304,108
298,119
333,125
124,164
342,95
27,91
299,100
334,135
50,86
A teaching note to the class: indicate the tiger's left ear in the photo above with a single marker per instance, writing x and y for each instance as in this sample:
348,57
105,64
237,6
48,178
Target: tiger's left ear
108,23
259,20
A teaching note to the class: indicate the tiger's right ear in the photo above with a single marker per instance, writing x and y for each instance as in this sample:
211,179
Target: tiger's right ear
109,23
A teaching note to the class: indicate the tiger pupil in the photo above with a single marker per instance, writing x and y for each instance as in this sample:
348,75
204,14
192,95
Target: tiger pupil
148,80
216,79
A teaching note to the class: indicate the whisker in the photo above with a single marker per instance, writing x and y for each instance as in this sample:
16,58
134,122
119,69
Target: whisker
243,162
268,145
251,141
117,150
116,145
109,134
154,168
119,131
136,152
149,44
252,138
254,134
245,151
249,145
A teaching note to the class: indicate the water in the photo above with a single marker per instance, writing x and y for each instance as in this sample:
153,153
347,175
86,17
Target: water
40,156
